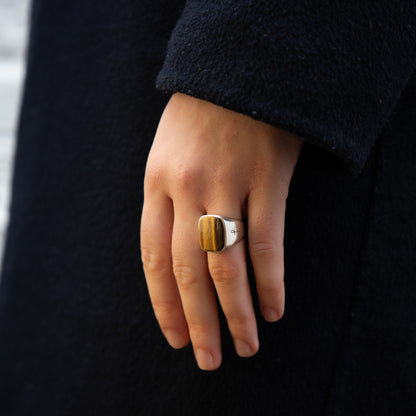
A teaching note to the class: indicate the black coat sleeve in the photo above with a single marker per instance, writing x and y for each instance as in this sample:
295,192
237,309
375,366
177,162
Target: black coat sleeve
330,71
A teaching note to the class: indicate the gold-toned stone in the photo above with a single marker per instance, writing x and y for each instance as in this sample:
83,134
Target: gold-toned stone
211,234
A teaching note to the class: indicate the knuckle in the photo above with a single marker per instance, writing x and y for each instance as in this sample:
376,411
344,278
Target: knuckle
272,292
185,176
221,175
164,310
184,274
153,262
265,249
199,331
259,170
240,321
223,273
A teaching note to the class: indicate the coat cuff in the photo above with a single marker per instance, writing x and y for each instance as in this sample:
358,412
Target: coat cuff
328,71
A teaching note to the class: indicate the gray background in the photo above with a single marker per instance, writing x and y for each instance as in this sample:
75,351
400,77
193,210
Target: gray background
13,32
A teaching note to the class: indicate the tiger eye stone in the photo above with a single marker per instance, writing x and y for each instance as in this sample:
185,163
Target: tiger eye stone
211,234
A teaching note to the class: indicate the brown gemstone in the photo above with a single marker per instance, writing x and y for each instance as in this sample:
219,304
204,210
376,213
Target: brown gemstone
211,233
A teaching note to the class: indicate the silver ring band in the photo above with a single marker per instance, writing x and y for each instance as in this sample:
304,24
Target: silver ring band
217,233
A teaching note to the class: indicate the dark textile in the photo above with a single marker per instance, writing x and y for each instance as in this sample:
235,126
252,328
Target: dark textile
77,332
330,71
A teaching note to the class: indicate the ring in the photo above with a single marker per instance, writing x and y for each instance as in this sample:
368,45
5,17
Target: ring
217,233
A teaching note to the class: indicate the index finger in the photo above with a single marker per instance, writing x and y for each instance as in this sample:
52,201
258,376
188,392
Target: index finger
156,232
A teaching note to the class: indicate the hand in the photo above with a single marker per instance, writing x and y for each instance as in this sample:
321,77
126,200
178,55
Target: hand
209,160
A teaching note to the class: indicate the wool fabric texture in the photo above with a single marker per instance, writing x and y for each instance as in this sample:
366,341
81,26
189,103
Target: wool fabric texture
77,330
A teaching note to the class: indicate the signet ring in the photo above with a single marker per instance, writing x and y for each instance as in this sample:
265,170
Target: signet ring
217,233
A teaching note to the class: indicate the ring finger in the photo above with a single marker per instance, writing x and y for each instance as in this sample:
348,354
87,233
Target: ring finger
228,270
195,288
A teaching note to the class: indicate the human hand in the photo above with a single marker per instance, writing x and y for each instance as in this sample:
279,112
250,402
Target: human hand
209,160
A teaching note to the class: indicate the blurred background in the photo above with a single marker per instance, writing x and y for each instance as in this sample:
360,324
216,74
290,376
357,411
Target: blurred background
13,32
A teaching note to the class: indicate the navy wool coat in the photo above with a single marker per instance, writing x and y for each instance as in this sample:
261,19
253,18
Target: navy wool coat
77,331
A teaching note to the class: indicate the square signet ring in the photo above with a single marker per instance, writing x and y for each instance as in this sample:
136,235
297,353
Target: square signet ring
217,233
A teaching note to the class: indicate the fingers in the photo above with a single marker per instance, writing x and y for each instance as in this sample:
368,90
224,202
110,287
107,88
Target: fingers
228,270
196,289
266,220
184,299
156,232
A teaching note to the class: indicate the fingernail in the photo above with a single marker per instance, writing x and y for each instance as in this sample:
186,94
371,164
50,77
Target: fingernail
205,359
243,349
269,314
175,339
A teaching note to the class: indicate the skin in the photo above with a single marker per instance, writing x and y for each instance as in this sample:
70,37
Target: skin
209,160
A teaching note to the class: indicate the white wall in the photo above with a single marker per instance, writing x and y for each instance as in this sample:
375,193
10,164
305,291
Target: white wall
13,31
